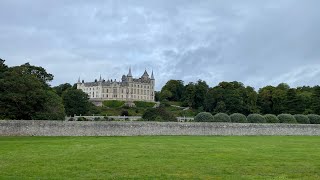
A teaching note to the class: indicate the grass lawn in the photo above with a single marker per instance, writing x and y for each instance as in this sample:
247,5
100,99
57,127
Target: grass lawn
160,157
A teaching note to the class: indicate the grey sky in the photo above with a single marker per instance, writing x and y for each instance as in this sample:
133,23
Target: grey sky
256,42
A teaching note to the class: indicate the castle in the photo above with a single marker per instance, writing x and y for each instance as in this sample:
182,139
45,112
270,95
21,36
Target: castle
129,89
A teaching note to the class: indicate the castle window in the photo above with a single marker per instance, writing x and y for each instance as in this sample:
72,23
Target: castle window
107,90
138,85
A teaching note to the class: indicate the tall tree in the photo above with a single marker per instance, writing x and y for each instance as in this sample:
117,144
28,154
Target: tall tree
316,100
76,102
176,88
61,88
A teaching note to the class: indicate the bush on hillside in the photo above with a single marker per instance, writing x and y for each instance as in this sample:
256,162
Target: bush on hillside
124,113
302,119
221,117
204,117
238,118
271,118
152,114
82,119
141,104
256,118
286,118
314,118
113,103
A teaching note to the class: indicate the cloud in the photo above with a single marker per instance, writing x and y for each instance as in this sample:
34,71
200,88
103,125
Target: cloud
257,43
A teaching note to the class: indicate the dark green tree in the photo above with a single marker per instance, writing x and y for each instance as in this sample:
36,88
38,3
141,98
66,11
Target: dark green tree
76,102
61,88
316,100
176,88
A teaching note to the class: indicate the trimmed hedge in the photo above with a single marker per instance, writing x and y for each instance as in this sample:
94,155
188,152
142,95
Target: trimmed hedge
302,119
221,117
113,103
142,104
256,118
314,118
238,118
204,117
271,118
287,118
156,114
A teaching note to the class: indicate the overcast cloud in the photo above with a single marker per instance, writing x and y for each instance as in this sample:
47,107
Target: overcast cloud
256,42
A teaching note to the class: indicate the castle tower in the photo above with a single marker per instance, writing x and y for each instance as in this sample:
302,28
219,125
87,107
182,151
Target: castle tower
129,76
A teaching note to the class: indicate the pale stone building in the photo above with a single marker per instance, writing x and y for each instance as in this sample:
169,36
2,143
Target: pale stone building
129,89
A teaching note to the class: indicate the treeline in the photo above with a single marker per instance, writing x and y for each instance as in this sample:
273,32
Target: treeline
235,97
26,94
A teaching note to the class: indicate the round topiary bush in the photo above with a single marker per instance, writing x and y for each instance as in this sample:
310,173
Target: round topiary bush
221,117
286,118
271,118
256,118
238,118
204,117
314,118
302,119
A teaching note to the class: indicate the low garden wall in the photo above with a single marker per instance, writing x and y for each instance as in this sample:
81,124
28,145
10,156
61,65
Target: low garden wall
113,128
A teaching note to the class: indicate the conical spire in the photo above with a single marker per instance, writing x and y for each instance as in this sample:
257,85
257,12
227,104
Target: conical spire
100,79
79,80
129,74
145,73
152,77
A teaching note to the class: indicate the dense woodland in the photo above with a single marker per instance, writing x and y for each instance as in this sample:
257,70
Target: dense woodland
25,93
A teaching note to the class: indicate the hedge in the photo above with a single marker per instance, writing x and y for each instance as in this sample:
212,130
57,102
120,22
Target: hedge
314,118
221,117
238,118
156,114
204,117
256,118
142,104
287,118
302,119
271,118
113,103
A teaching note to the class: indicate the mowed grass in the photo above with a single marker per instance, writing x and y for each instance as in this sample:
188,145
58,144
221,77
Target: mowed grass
160,157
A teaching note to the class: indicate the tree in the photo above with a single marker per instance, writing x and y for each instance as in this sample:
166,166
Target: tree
189,95
165,95
201,89
22,94
61,88
37,71
176,88
316,100
293,103
75,102
53,108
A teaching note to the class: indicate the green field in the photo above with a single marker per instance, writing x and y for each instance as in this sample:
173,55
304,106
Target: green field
160,157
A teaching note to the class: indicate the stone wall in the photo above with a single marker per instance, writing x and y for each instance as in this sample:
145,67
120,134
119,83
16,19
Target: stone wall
103,128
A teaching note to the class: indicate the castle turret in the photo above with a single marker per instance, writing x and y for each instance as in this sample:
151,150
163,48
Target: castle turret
152,79
129,76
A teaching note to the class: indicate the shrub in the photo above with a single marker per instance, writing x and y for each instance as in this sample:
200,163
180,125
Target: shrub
271,118
97,119
286,118
222,117
82,119
204,117
113,103
314,118
302,119
152,113
124,113
142,104
105,118
256,118
71,119
158,118
238,118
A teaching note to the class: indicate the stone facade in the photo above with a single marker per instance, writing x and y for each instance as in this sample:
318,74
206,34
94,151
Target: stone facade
113,128
129,89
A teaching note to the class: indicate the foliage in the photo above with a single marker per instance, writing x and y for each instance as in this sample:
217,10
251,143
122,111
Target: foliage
113,103
76,102
316,100
238,118
142,104
302,119
22,95
286,118
61,88
314,118
271,118
172,90
37,71
152,113
204,117
222,117
124,113
256,118
53,108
